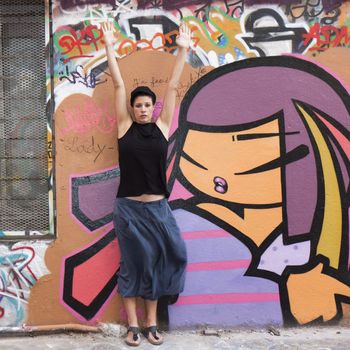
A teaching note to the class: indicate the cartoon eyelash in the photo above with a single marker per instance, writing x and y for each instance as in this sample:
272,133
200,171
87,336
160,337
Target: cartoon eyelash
290,157
191,160
243,137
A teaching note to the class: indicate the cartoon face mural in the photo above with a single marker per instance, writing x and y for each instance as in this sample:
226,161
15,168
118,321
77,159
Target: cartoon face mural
241,158
274,173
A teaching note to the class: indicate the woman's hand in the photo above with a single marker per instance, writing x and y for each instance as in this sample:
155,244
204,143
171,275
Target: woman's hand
108,33
184,37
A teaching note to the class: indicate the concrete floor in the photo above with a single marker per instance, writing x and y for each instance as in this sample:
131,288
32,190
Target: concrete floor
325,338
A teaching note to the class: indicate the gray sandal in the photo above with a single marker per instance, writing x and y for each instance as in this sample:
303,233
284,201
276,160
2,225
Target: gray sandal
153,330
136,336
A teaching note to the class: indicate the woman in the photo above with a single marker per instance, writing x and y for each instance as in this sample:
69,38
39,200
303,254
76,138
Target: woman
153,254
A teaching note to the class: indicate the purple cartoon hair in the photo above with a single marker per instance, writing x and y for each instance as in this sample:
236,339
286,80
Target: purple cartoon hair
240,94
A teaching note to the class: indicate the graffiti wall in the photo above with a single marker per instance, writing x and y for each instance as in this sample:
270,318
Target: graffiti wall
258,163
22,264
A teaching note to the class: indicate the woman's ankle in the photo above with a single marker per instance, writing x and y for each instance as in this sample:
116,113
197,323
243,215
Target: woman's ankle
151,322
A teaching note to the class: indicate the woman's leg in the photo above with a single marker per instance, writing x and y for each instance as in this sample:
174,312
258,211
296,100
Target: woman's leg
151,319
130,307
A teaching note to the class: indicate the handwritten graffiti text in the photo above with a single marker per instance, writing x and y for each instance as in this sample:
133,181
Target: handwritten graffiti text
79,76
88,146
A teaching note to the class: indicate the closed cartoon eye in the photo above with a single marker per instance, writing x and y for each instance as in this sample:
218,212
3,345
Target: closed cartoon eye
194,162
290,157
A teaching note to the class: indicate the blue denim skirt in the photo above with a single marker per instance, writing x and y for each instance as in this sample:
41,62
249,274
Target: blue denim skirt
153,253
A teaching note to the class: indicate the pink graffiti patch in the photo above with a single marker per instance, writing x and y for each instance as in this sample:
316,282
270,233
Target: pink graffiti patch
90,276
228,298
218,265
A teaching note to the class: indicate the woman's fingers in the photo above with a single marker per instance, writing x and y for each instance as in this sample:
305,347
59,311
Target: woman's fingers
108,30
105,27
185,29
181,29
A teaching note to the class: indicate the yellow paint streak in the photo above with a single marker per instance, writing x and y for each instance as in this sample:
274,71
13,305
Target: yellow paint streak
329,243
219,24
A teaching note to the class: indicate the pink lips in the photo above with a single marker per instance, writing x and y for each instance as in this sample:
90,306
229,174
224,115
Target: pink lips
220,184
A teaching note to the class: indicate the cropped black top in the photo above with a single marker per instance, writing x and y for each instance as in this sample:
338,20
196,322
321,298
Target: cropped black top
142,161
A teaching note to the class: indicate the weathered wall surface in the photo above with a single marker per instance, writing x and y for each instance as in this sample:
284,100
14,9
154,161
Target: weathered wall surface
258,163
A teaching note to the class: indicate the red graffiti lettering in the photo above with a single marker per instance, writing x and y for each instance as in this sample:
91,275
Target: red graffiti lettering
326,36
85,37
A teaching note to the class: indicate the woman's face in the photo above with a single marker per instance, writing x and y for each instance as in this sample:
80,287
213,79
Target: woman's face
143,109
225,164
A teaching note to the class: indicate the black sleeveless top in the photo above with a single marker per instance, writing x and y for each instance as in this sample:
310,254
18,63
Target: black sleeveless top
142,161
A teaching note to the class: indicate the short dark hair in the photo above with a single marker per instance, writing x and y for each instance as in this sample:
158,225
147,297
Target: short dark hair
142,91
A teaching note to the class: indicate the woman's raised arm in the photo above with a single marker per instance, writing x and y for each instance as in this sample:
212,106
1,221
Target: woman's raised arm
123,115
183,42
